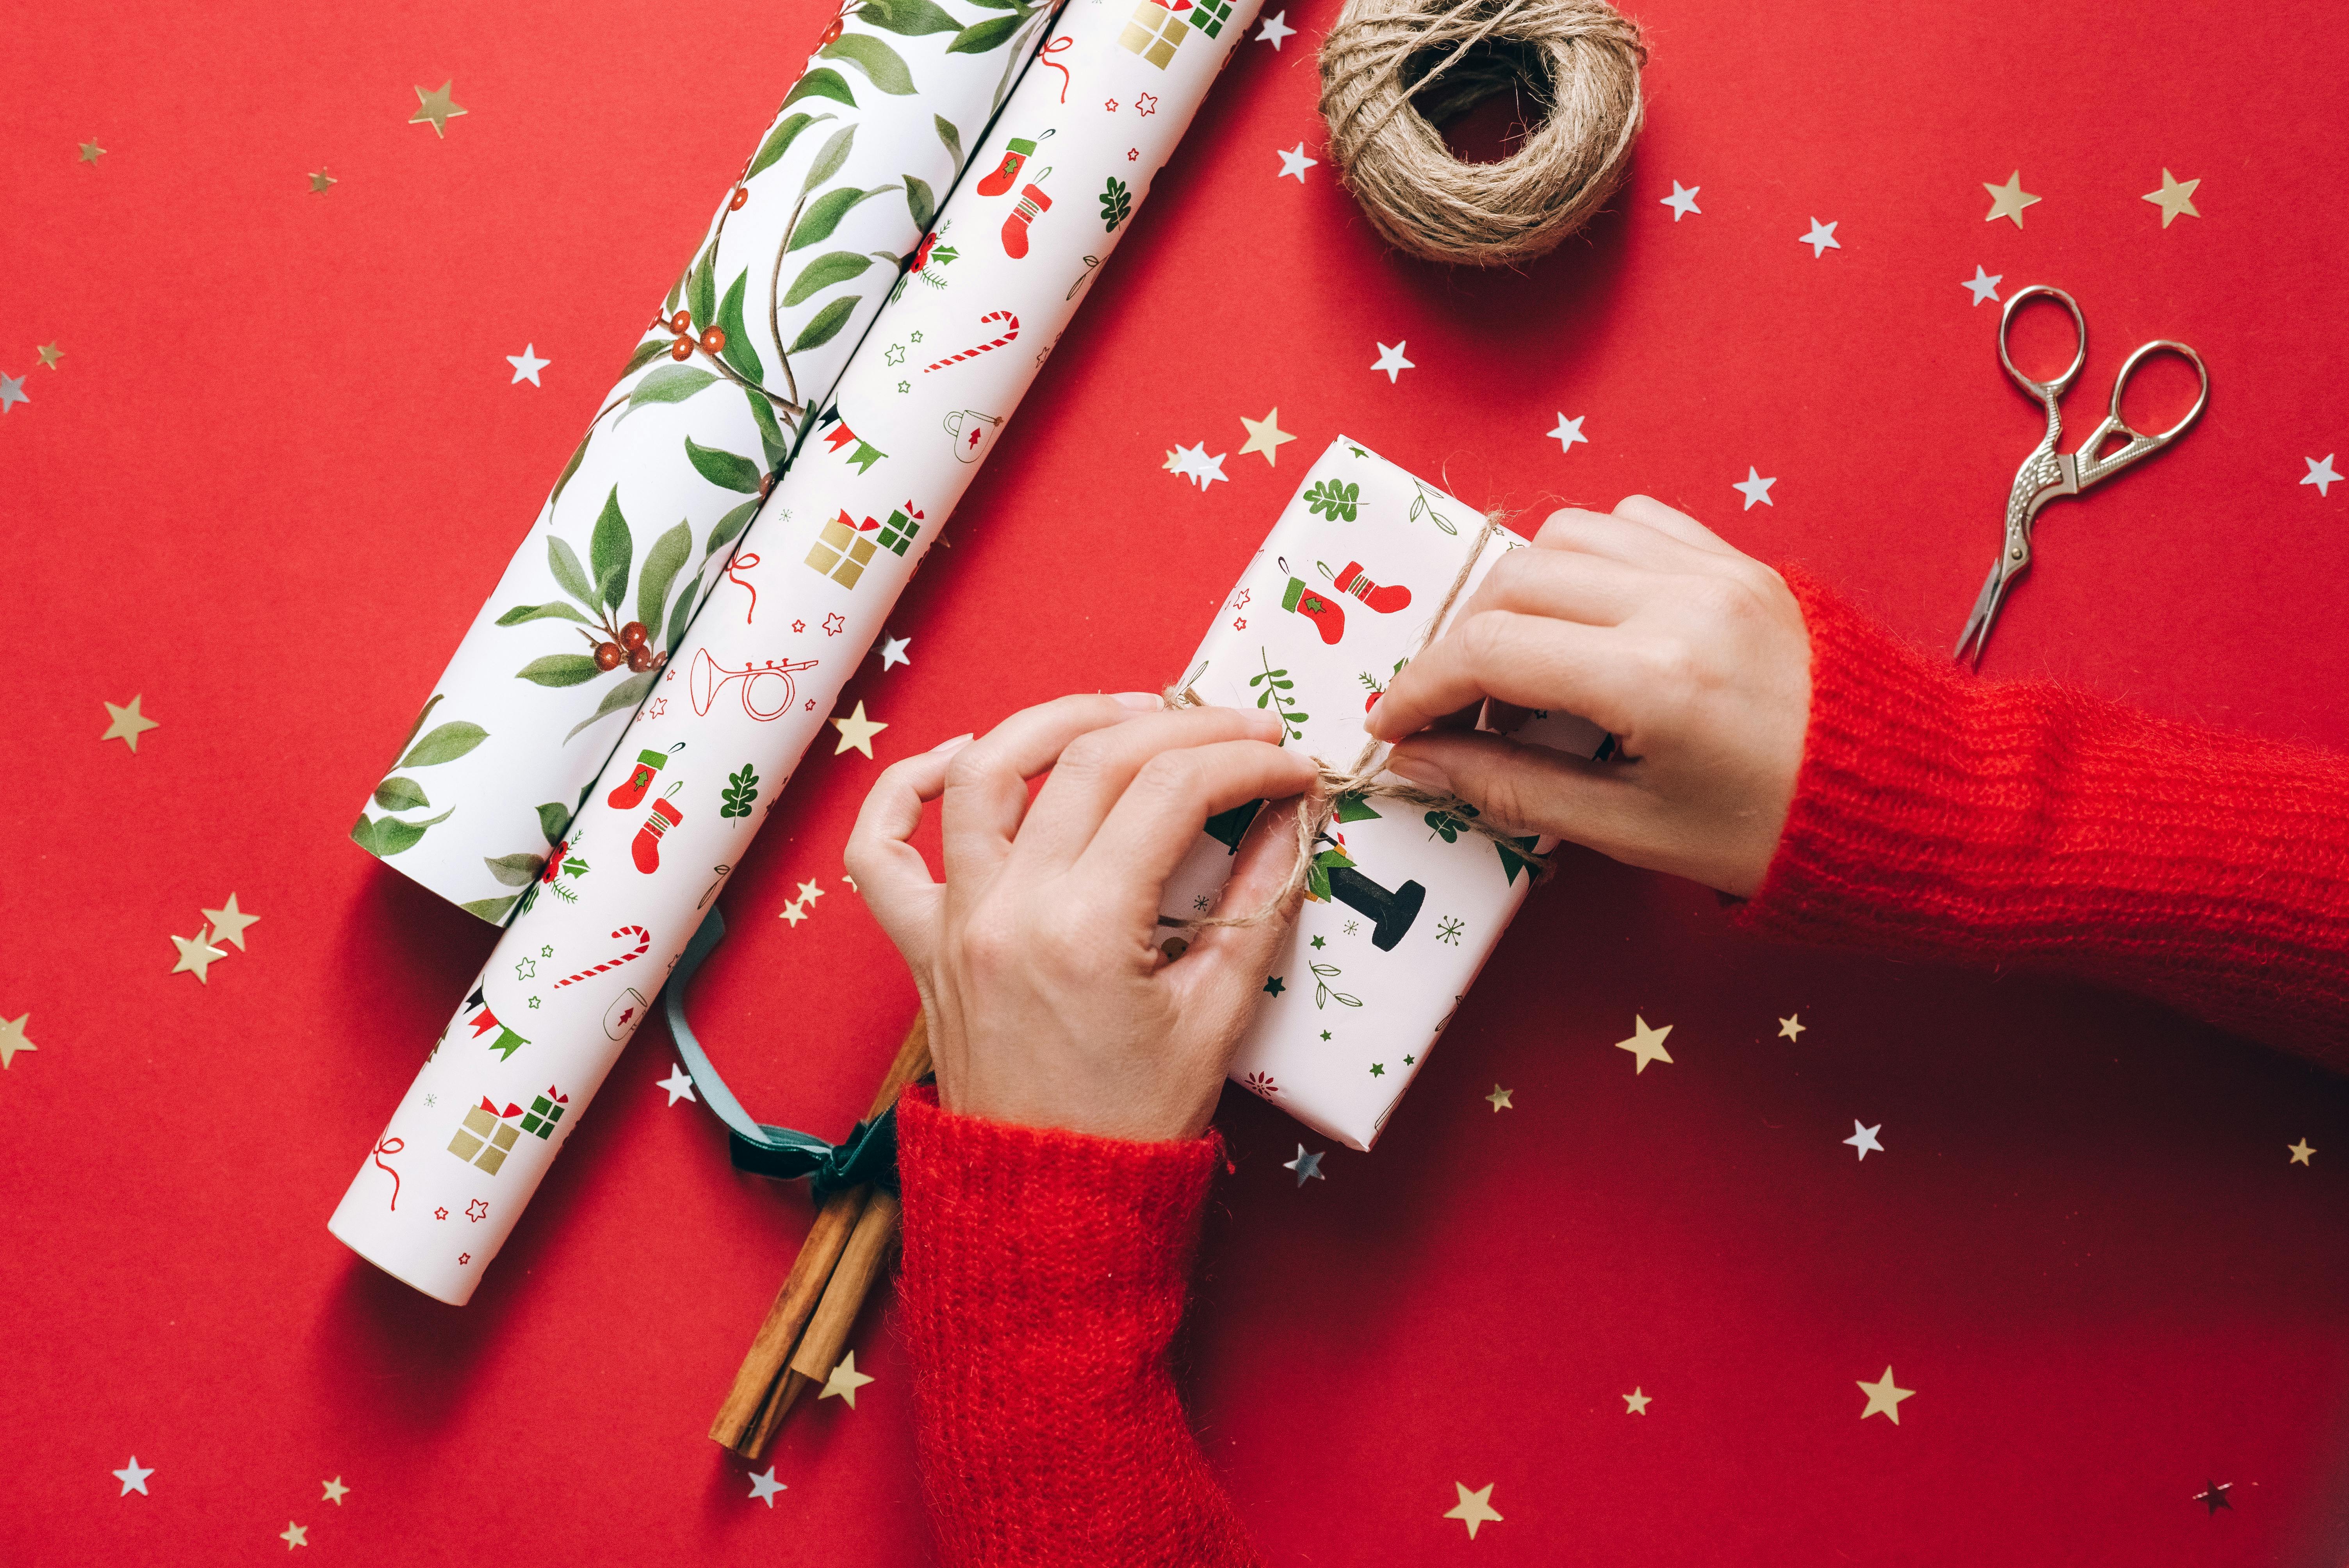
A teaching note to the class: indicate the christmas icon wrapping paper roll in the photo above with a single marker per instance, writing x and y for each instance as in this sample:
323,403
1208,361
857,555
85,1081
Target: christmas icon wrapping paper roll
1403,905
795,607
750,341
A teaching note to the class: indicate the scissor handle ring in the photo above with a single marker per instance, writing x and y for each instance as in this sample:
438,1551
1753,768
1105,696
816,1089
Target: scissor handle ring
2128,368
2046,390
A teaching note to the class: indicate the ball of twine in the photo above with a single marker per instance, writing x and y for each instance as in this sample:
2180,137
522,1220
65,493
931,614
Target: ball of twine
1391,71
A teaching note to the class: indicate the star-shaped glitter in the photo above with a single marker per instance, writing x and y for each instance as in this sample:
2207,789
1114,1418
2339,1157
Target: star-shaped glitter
127,724
1392,361
844,1381
1294,162
336,1492
91,152
763,1487
1884,1398
2299,1150
1193,463
679,1084
810,893
1982,285
1570,431
477,1211
320,180
1864,1138
1474,1508
1635,1403
526,970
1821,239
1275,27
527,364
1754,487
793,913
1646,1045
1499,1099
2320,473
50,354
1683,201
2213,1496
293,1535
857,731
1145,103
2174,197
12,1039
1275,986
893,650
435,109
894,354
133,1478
12,392
2009,200
1792,1027
229,922
196,954
1306,1166
1264,436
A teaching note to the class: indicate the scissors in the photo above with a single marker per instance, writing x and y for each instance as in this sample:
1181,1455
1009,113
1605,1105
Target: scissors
2046,474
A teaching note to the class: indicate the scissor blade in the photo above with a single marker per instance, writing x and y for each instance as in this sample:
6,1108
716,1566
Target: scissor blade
1985,608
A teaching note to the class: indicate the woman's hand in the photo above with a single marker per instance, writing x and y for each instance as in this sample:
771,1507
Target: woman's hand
1050,1001
1693,655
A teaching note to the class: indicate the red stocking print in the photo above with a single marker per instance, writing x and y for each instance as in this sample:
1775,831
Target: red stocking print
623,798
996,183
1322,610
1386,599
647,849
1032,201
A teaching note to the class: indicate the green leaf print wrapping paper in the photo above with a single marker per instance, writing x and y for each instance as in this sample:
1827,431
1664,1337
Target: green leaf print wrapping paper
807,242
1403,904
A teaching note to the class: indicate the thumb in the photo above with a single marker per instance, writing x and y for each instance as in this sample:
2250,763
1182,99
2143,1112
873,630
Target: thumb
1530,786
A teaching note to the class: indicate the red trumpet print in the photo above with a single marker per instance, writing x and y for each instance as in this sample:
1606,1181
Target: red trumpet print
1010,331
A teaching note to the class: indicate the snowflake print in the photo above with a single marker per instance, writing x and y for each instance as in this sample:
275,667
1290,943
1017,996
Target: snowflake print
1353,926
1260,1083
1448,930
1200,902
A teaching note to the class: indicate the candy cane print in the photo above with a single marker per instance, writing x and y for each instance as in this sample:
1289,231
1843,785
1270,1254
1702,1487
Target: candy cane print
1009,333
644,941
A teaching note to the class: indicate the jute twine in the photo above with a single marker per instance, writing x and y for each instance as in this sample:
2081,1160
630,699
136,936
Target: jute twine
1579,61
1361,778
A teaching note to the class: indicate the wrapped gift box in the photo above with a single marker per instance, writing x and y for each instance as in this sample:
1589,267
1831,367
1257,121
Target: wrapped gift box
1403,903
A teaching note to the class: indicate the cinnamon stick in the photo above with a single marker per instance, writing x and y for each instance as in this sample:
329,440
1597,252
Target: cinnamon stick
764,1388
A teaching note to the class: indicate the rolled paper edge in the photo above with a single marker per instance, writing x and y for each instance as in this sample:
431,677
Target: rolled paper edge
335,1229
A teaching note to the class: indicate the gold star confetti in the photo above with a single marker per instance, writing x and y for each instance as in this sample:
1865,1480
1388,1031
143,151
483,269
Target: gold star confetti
810,893
1474,1508
1882,1396
12,1039
435,109
91,152
1265,435
50,354
844,1381
856,730
196,954
228,924
1500,1099
2174,197
320,180
335,1490
794,912
128,724
1635,1403
2009,200
2299,1150
294,1535
1792,1028
1646,1044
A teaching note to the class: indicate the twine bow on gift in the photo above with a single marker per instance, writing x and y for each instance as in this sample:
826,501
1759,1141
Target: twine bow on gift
1362,780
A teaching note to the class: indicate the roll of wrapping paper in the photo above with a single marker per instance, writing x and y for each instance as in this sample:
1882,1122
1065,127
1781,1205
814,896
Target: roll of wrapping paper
754,679
750,341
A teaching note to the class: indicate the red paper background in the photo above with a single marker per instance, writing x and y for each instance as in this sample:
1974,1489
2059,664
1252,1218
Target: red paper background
282,461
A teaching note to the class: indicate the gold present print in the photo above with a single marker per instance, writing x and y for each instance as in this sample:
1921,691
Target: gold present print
845,547
486,1135
1156,32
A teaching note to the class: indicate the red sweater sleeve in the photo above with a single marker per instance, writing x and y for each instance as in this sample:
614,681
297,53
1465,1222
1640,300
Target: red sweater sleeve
1045,1274
1941,815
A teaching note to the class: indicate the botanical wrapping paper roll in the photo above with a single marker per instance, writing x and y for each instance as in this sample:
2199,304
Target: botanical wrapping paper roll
750,341
795,608
1403,905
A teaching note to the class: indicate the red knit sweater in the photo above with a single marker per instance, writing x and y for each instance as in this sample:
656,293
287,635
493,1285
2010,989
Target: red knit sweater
1935,815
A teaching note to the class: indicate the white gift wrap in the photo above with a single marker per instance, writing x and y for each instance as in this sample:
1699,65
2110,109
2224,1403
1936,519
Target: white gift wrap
798,260
755,679
1343,591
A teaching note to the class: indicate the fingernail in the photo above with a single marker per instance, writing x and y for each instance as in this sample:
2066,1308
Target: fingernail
1371,719
1142,701
1418,770
1265,723
947,748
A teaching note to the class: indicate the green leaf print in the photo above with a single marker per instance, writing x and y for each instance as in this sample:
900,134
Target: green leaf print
877,60
906,18
563,561
824,215
391,837
826,324
578,454
670,384
556,610
729,469
828,161
553,818
770,434
397,794
627,694
516,870
559,670
737,350
446,743
652,348
1116,203
492,910
920,203
730,528
947,134
741,789
981,36
701,293
681,612
830,268
662,563
610,547
821,82
779,141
